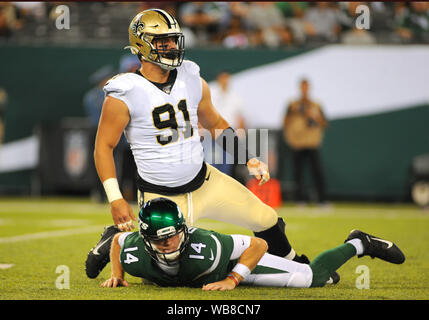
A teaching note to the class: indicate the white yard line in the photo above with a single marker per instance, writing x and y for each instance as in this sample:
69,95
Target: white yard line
52,234
61,207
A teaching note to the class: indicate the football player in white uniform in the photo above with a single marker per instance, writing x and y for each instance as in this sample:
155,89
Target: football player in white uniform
159,107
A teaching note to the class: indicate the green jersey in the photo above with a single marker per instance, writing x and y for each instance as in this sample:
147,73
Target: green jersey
206,259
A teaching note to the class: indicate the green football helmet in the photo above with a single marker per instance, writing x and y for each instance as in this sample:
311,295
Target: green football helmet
160,219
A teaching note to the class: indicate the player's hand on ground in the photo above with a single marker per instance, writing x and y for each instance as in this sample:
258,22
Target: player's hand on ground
122,215
259,170
114,282
225,284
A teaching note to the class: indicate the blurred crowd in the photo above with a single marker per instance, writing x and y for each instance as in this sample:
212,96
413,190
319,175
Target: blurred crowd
227,24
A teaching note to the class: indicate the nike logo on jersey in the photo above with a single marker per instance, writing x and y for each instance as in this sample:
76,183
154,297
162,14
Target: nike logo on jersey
167,88
95,250
211,255
389,243
208,177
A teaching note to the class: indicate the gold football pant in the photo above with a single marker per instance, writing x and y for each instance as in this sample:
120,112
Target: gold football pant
224,199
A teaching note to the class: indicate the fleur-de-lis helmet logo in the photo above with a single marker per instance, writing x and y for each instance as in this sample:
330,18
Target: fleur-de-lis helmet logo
138,28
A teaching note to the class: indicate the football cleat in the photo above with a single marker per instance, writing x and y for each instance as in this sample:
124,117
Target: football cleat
334,278
99,256
377,248
301,259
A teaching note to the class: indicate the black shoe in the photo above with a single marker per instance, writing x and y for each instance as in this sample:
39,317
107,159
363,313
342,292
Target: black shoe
334,278
301,259
377,248
99,256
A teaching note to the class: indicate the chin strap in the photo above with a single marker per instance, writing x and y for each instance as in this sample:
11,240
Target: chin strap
133,49
171,257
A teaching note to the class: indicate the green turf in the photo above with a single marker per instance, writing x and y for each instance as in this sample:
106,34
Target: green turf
310,230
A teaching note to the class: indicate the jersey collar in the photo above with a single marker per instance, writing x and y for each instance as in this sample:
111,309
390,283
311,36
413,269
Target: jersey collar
166,86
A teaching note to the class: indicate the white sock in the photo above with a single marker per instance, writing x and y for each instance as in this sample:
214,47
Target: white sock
357,243
291,255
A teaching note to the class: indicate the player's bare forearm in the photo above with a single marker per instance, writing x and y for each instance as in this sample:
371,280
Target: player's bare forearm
117,275
104,161
122,213
250,258
115,251
114,119
217,128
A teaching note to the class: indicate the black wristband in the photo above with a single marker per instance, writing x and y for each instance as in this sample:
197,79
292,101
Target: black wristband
232,144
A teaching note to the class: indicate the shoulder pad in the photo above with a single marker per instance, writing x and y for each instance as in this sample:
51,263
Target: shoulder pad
120,83
191,67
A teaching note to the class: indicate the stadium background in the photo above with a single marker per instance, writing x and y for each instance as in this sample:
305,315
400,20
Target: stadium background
377,107
375,96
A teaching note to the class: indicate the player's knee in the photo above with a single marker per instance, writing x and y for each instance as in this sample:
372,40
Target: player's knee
299,280
267,219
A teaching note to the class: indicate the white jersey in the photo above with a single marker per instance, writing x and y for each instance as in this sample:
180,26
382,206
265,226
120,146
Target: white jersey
163,128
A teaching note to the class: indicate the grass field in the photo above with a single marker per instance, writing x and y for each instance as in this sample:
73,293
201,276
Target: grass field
37,236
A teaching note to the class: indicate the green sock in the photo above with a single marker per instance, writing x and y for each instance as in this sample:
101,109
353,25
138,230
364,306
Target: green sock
326,263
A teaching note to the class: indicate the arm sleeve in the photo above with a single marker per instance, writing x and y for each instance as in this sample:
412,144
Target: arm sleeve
241,243
192,72
122,238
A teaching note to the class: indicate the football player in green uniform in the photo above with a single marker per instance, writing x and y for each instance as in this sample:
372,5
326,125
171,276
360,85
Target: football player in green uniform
167,253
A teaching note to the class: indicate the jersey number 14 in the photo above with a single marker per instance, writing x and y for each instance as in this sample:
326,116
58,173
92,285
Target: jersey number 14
129,257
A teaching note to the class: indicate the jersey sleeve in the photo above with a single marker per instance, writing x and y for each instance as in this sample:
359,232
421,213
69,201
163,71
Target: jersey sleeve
191,67
241,243
122,237
119,87
192,71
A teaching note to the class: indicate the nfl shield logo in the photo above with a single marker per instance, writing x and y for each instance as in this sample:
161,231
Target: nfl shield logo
75,152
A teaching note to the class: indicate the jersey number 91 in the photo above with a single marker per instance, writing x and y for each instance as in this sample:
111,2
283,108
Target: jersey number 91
171,122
